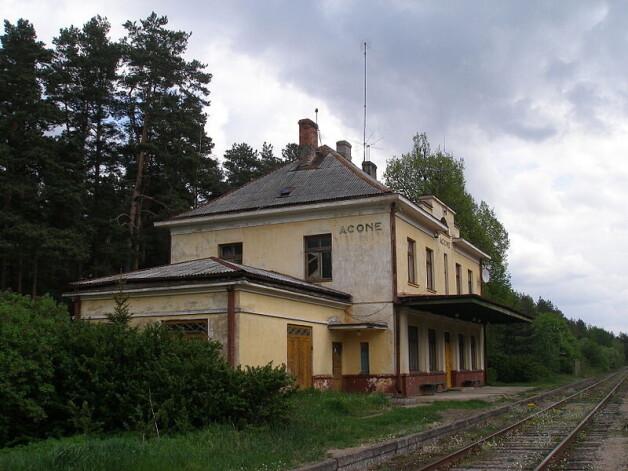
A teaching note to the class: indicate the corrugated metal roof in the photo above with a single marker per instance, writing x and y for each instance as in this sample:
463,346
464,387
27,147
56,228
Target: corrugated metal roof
206,268
332,178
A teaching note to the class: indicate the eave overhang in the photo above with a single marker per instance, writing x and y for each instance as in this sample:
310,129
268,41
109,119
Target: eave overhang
359,326
467,247
466,307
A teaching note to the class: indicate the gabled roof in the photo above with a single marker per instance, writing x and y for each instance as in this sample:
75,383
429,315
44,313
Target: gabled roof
213,269
326,176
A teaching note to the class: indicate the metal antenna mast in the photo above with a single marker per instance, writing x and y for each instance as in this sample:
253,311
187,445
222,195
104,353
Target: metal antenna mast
365,46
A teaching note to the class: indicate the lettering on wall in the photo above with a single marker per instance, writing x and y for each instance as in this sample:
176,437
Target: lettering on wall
361,228
445,242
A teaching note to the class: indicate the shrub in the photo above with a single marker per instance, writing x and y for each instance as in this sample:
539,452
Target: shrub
60,378
28,338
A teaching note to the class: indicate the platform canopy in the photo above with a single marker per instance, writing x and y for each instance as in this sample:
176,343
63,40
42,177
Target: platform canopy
465,307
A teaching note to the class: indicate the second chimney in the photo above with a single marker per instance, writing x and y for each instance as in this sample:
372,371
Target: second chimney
344,149
370,168
308,133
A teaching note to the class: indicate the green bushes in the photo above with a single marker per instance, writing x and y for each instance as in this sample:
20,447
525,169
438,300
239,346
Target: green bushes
59,377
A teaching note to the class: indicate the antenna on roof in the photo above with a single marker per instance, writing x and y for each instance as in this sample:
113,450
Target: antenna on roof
318,131
364,46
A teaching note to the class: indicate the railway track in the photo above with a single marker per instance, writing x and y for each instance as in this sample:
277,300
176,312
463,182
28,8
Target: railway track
541,441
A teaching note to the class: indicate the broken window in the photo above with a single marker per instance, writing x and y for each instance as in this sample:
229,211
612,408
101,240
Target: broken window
231,252
318,257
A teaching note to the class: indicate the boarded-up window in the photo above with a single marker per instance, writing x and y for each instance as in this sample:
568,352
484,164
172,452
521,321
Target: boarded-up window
433,359
461,351
411,262
429,268
446,273
413,348
458,279
364,358
231,252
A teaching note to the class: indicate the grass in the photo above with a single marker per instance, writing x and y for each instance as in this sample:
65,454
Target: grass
553,381
318,422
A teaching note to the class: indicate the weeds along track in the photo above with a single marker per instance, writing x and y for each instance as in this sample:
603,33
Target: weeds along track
537,441
583,452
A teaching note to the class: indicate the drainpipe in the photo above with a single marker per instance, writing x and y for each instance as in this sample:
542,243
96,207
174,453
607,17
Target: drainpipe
395,297
231,320
485,355
76,307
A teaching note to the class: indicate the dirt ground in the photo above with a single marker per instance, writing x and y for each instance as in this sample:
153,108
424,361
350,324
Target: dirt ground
613,455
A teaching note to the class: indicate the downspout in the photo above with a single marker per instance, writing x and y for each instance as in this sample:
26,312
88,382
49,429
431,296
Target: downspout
231,327
485,355
395,298
76,307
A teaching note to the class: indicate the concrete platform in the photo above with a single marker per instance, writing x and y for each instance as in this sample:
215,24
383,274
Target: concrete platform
483,393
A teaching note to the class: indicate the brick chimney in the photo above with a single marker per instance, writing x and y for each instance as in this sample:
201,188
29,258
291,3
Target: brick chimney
344,149
308,133
370,168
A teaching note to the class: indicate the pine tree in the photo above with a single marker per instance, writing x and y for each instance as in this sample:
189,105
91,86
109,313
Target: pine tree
163,96
83,84
27,158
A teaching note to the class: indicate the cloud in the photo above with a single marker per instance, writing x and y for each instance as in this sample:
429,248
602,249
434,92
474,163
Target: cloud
533,95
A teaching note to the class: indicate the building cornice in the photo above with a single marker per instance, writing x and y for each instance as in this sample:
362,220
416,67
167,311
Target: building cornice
279,214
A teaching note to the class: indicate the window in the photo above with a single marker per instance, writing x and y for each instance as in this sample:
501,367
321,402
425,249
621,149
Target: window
411,263
458,279
474,361
231,252
413,347
429,264
470,274
189,329
318,257
431,339
364,358
446,273
461,352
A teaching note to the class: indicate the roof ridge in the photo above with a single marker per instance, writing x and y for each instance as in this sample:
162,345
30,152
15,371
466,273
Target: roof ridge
359,172
224,195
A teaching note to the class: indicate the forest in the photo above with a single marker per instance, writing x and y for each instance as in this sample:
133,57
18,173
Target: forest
100,138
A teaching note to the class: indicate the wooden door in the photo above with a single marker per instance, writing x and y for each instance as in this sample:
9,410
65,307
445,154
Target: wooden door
448,359
336,366
300,354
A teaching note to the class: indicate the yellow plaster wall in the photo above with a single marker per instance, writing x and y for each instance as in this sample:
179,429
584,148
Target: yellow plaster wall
381,351
441,245
158,303
262,329
179,307
356,256
440,325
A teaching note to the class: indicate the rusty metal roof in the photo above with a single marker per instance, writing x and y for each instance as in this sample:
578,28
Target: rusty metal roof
211,268
329,177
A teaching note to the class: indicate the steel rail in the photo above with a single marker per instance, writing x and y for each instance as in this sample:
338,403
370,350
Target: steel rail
555,453
455,456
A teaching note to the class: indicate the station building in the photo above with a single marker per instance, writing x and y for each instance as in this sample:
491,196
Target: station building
319,266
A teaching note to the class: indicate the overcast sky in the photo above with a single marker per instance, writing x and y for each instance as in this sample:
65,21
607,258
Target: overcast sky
532,94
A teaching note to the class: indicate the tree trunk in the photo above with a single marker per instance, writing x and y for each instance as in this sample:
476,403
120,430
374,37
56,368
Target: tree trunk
135,213
3,273
35,271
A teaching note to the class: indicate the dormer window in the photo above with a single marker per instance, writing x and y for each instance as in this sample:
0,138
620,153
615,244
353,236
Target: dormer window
286,191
